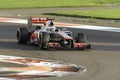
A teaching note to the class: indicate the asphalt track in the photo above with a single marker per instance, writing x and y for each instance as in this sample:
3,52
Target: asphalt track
102,61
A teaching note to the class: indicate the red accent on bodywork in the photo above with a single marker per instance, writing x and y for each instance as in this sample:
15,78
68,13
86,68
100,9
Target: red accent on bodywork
40,20
76,45
34,35
52,45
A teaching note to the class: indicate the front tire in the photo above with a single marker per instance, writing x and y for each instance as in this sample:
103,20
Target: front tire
81,38
44,39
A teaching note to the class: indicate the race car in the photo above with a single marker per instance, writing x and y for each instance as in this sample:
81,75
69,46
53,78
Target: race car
48,36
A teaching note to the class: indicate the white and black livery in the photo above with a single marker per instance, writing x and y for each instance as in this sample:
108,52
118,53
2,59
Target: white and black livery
49,36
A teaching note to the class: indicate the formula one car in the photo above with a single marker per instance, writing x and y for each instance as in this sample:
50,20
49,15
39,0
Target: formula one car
49,36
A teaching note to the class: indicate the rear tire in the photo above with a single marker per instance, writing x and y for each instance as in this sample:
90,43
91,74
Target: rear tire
22,35
81,38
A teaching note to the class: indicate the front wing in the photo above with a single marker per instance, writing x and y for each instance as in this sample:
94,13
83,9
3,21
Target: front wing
74,46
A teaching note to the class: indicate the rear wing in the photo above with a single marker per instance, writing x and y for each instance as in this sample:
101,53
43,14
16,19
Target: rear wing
42,21
38,21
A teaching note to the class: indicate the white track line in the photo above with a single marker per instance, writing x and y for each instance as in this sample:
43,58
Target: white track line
13,20
101,28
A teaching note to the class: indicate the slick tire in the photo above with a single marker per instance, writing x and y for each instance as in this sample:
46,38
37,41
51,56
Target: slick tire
81,38
44,40
22,35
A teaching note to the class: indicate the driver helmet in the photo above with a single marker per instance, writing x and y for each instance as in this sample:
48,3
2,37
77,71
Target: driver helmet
49,23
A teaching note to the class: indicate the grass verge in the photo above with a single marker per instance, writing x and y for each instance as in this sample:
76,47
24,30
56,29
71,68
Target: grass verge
14,4
101,14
